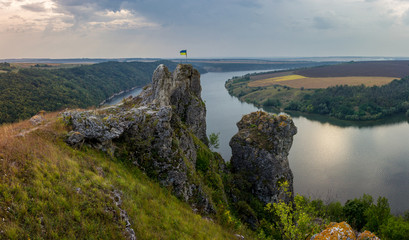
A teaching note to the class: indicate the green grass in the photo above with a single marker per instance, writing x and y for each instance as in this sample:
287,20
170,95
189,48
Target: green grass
49,190
258,95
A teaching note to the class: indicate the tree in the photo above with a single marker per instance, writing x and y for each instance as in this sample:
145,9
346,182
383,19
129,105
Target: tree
214,140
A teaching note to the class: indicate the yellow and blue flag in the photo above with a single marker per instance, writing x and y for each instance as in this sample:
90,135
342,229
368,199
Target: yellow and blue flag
183,52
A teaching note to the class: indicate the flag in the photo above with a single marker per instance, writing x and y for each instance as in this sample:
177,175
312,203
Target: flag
183,52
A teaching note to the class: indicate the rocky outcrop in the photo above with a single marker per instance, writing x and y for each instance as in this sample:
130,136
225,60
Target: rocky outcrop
160,131
259,155
342,230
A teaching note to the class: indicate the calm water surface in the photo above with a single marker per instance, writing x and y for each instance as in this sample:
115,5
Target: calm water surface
328,161
331,160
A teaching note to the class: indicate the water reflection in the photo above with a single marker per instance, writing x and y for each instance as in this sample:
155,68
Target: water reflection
331,159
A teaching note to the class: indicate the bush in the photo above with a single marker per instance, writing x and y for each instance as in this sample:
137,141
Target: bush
354,211
335,212
378,214
294,218
395,228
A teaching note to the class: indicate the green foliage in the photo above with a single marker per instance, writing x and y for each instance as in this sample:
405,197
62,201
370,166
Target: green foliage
354,211
378,214
203,159
358,102
334,212
294,218
271,102
214,142
26,92
343,102
395,229
406,216
6,67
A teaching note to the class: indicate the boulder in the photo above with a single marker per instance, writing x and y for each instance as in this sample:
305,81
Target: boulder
343,231
336,231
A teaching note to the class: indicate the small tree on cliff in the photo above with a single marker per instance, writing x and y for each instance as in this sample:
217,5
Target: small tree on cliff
294,218
214,141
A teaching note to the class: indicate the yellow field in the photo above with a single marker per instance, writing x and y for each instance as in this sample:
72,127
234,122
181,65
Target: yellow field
272,81
2,71
298,81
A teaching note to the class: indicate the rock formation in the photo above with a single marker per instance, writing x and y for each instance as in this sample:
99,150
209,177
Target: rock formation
259,155
160,131
342,230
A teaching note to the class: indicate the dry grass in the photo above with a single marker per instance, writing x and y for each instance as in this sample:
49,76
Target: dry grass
270,75
273,81
298,81
49,190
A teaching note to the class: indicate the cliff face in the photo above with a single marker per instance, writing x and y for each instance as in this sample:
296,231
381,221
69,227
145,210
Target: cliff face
259,154
259,164
162,131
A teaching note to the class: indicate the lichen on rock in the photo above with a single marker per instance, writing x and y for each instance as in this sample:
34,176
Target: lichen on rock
343,231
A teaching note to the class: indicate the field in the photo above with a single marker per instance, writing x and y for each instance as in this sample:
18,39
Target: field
298,81
397,69
374,73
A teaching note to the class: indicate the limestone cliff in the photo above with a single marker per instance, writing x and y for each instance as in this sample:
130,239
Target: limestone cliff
259,153
162,131
259,163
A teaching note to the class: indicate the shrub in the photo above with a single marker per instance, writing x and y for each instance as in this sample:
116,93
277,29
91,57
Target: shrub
354,211
334,212
378,214
294,218
395,228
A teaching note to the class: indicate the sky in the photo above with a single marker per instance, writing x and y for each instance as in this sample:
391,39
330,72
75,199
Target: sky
206,28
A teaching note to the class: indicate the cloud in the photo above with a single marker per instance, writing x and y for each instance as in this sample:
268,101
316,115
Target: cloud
213,27
34,7
323,23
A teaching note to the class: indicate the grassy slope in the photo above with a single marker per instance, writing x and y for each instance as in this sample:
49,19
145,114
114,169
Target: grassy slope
49,190
258,95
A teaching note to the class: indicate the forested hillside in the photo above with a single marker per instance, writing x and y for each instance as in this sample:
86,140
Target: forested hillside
25,92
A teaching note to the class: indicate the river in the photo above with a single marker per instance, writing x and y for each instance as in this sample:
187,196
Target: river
330,160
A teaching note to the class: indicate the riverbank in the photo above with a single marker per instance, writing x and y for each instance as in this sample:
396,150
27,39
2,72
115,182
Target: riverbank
355,103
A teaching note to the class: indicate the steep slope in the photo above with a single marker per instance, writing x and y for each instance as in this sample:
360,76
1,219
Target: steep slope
162,131
49,190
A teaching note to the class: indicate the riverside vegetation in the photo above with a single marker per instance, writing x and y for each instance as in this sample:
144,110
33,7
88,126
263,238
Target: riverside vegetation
342,101
143,170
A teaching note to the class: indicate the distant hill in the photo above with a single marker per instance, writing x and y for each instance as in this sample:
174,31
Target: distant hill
25,92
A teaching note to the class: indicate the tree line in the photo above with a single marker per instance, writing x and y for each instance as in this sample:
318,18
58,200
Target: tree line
357,102
25,92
